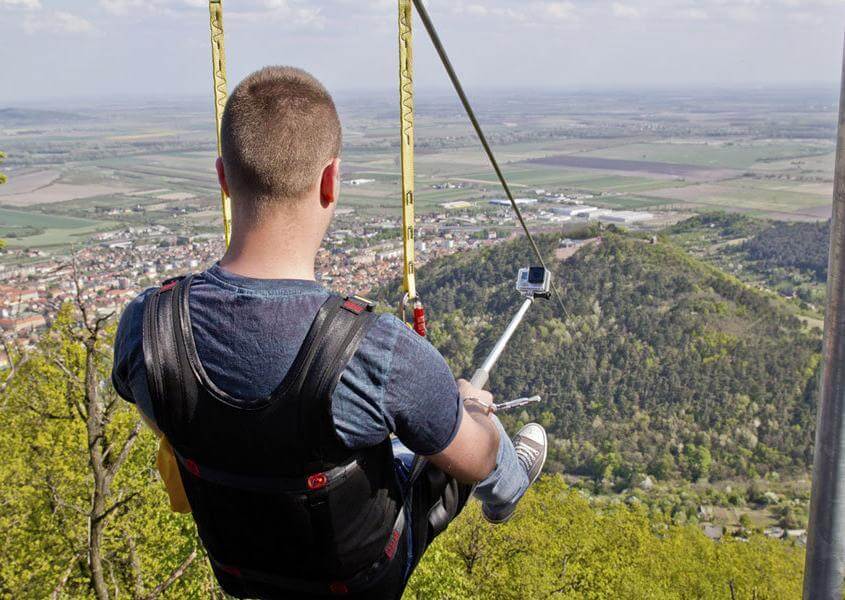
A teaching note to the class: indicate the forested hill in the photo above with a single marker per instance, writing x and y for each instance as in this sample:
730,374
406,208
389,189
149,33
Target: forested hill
802,246
664,365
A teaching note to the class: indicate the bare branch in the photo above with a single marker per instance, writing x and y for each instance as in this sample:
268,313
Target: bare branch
63,581
14,364
135,565
124,452
58,501
174,577
80,409
104,515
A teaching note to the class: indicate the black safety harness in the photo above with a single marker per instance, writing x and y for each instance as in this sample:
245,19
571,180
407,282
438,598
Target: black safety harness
281,505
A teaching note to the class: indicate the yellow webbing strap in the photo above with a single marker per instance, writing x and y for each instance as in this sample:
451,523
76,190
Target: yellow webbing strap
218,66
406,108
168,468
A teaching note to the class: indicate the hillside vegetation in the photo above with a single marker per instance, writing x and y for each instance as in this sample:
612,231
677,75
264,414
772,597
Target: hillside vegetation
787,258
803,246
663,365
559,546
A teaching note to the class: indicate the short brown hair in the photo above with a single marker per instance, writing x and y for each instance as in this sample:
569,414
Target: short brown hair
280,128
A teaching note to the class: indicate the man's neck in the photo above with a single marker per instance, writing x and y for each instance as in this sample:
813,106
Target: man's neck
281,248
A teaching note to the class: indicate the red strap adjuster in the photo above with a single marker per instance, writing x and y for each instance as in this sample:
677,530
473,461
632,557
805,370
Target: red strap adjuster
234,571
354,307
338,587
392,545
192,467
317,481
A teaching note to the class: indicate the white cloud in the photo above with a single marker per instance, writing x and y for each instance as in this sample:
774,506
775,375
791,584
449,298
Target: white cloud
694,14
625,11
561,11
56,22
121,7
292,14
479,10
27,4
125,7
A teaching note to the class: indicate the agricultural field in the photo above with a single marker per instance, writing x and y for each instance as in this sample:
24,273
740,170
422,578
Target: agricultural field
766,153
37,229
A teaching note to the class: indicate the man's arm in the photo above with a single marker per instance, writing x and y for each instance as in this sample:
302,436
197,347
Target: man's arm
471,456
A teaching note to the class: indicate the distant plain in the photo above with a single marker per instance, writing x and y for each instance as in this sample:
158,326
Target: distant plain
768,153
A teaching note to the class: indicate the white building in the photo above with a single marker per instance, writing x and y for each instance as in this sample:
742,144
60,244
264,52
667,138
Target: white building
575,211
626,216
499,202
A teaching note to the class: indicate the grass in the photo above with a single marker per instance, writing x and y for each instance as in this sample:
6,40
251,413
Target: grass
55,230
55,237
631,202
19,218
733,156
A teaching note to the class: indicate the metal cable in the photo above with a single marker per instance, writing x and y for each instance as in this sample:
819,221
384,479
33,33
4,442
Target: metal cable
447,64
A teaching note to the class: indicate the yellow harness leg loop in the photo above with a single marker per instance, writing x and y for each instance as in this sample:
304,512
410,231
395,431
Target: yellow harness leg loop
218,66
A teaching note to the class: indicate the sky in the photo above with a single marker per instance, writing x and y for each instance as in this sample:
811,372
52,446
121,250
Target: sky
62,49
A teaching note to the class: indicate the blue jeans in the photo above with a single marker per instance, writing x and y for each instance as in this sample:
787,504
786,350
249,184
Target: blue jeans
502,489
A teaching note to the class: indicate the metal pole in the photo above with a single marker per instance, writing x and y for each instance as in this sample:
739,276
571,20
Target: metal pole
480,377
825,562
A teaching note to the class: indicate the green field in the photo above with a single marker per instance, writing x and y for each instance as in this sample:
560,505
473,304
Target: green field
631,202
729,155
17,218
52,230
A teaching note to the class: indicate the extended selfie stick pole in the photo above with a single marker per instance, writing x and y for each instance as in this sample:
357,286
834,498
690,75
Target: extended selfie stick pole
479,379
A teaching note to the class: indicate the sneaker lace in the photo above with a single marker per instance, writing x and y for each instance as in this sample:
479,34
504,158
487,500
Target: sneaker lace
526,456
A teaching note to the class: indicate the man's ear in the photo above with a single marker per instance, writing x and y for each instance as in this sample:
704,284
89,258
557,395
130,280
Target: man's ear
221,176
330,183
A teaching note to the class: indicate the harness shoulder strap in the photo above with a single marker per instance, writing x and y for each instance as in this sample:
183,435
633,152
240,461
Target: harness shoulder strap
331,348
167,365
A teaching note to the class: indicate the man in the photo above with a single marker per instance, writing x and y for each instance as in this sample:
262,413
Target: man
280,399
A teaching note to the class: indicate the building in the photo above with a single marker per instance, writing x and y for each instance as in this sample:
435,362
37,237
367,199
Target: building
575,211
626,216
499,202
23,323
458,204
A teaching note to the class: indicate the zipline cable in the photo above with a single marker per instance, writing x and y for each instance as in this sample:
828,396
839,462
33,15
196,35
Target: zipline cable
447,64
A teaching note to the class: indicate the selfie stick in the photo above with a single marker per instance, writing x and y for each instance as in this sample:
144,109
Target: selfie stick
532,283
480,377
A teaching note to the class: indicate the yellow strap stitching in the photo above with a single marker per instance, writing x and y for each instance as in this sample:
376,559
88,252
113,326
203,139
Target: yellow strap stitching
406,107
218,71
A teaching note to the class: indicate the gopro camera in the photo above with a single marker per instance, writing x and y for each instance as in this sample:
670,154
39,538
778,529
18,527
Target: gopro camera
534,282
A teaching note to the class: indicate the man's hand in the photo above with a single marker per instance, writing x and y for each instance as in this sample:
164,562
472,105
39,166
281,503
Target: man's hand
471,456
475,399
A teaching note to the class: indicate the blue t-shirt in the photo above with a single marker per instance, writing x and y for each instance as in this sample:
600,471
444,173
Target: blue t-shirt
248,333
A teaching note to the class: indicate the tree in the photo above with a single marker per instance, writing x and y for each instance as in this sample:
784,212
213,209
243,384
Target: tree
698,461
2,181
84,515
559,546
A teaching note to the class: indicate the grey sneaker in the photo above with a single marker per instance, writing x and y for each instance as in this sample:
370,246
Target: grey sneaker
531,446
